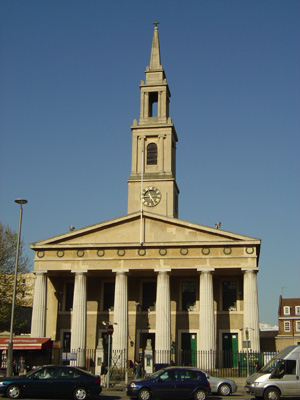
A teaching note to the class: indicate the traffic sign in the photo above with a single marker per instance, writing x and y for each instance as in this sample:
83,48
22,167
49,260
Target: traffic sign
110,329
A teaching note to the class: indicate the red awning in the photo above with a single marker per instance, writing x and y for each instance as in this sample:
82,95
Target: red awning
26,343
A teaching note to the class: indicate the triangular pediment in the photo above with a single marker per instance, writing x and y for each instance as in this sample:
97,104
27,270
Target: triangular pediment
150,229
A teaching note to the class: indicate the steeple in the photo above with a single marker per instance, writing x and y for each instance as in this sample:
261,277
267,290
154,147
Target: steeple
152,182
155,51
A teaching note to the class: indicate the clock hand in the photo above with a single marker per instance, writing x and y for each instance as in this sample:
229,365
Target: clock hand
151,197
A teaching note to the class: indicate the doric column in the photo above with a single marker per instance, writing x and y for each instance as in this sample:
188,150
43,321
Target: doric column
78,330
120,336
206,319
163,319
251,321
38,321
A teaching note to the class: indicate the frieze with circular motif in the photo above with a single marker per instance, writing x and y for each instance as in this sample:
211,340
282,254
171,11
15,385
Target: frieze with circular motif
162,251
205,251
249,250
100,253
121,252
227,250
80,253
141,252
60,253
40,254
184,251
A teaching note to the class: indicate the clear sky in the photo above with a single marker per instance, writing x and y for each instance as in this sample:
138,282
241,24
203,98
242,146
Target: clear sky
69,75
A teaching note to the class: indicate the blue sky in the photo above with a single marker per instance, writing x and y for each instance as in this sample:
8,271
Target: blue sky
69,75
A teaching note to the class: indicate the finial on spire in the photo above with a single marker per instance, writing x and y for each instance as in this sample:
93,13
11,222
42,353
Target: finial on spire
155,23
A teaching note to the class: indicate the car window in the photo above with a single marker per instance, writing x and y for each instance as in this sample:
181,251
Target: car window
187,375
44,373
68,373
169,376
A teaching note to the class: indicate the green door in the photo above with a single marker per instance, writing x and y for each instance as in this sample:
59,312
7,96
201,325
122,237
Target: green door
189,349
230,350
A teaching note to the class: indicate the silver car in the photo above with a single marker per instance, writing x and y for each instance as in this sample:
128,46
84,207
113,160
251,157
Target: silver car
221,386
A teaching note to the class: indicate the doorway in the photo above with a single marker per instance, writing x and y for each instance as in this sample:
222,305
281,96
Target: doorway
189,349
230,350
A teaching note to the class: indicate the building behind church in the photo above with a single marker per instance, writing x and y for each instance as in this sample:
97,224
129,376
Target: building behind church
184,286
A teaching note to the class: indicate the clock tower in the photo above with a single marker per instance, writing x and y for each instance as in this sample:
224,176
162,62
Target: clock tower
152,183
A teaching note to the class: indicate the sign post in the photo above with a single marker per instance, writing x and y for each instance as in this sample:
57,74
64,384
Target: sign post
110,331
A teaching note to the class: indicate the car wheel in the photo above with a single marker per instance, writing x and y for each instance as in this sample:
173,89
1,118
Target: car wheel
80,393
144,394
200,394
13,392
224,389
272,394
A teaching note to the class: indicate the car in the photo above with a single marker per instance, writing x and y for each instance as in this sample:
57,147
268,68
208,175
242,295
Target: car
221,386
62,381
184,382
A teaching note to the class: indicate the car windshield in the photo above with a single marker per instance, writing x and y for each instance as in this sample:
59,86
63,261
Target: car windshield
272,364
155,374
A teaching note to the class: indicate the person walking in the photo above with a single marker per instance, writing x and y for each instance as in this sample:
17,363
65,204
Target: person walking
103,373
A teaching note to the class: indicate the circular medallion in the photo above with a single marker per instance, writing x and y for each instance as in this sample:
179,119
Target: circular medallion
141,252
205,251
121,252
162,252
60,253
100,253
249,250
184,251
80,253
227,250
40,254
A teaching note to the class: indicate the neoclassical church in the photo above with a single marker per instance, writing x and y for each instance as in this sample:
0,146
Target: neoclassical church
183,285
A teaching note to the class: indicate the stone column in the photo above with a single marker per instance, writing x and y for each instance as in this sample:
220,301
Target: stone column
120,335
206,319
142,162
78,330
38,321
163,319
251,320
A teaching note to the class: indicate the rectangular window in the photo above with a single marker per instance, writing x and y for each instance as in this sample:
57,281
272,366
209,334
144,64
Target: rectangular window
229,295
297,310
108,296
69,296
297,326
188,302
286,310
287,326
149,296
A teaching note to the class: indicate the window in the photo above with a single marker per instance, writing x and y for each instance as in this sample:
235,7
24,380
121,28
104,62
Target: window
298,326
287,326
188,375
169,376
297,310
188,302
153,104
229,294
151,154
69,293
108,296
149,296
286,310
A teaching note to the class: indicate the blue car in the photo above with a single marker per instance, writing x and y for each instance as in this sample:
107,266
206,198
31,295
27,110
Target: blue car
52,381
184,382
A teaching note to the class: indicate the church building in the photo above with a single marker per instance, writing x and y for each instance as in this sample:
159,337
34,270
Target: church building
185,286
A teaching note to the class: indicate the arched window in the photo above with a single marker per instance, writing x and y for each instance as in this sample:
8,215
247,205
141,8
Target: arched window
151,154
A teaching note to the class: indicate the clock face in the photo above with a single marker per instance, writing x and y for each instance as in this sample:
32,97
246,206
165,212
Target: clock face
151,196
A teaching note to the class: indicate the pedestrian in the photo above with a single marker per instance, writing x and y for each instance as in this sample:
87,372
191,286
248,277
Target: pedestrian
256,366
137,370
103,373
15,368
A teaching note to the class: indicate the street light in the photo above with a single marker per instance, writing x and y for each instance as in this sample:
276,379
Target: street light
10,344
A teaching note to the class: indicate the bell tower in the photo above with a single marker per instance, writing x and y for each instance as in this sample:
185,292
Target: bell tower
152,183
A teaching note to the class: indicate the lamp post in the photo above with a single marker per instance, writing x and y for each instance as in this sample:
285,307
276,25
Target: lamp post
10,344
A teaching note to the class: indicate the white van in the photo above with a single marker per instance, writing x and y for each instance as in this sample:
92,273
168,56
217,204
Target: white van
280,377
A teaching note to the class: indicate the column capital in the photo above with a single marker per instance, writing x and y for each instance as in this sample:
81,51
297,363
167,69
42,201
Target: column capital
39,272
205,270
254,270
119,272
163,271
79,272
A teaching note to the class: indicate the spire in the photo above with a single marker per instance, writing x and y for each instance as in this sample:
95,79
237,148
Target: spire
155,52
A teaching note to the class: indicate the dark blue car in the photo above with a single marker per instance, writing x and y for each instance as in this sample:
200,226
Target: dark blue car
184,382
52,381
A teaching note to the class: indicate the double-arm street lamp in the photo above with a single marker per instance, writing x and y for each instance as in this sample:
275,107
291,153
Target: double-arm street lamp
10,344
